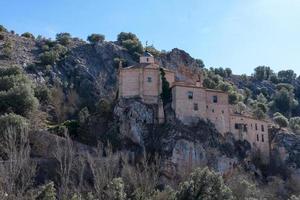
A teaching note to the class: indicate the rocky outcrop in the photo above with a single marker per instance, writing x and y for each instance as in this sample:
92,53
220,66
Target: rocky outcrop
182,147
135,120
285,149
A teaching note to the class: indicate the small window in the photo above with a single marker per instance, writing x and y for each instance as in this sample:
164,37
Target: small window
262,128
257,137
245,128
222,111
213,110
236,126
256,127
206,106
262,138
215,99
149,79
190,94
147,59
196,106
251,126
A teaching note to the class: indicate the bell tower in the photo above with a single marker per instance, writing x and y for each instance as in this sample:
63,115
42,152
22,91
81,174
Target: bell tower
147,58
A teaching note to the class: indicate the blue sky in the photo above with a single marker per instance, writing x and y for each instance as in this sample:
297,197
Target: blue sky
240,34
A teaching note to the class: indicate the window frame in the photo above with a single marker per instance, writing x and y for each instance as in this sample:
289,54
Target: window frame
196,107
149,79
190,95
215,98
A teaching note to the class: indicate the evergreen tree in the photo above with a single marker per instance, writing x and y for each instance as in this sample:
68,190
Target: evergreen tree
204,184
166,91
48,193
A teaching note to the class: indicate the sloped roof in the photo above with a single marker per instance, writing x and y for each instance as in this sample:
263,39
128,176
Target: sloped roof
147,54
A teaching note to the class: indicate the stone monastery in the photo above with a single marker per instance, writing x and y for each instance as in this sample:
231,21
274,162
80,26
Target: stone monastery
191,101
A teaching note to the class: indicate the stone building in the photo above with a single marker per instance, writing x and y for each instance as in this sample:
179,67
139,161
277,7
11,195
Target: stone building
191,101
143,81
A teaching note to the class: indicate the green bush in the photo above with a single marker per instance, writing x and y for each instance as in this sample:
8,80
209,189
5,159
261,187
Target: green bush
12,120
263,73
208,83
95,38
233,98
204,184
8,71
116,189
19,100
295,124
45,47
283,101
8,82
7,48
2,29
48,192
16,94
42,93
48,57
286,76
281,120
63,38
28,35
200,63
131,43
153,51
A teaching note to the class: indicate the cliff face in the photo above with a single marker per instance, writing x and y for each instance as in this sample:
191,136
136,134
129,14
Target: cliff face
182,147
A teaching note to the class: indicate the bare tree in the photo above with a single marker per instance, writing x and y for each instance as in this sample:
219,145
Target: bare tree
64,156
103,169
143,177
16,168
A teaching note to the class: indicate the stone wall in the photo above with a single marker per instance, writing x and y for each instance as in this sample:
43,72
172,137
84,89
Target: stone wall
217,109
129,82
188,102
143,81
252,130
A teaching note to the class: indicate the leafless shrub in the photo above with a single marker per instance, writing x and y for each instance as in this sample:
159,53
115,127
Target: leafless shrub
142,178
16,169
64,156
103,170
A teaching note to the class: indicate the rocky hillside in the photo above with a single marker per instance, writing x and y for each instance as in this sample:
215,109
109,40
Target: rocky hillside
70,85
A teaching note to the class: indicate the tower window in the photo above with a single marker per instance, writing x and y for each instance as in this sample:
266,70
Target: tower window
190,94
213,110
196,106
215,99
262,128
257,137
149,79
256,127
222,111
147,59
262,138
